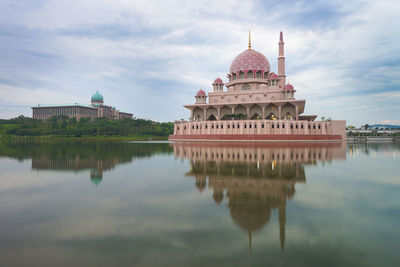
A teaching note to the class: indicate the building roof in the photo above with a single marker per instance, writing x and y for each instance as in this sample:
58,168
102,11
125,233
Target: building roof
250,59
64,105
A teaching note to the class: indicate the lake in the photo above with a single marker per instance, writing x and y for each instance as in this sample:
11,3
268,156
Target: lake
196,204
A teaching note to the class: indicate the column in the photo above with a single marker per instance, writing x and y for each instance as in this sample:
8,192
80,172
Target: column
191,114
297,113
248,112
279,112
219,113
263,113
204,114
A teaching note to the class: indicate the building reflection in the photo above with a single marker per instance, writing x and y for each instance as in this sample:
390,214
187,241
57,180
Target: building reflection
254,178
96,165
95,157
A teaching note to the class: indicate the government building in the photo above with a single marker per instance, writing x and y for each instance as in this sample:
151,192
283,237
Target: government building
96,109
254,104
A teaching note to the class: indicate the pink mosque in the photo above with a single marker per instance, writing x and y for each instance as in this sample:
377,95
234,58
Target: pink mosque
257,105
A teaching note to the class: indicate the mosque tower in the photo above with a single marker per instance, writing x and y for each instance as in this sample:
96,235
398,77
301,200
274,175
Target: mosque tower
201,97
218,85
281,61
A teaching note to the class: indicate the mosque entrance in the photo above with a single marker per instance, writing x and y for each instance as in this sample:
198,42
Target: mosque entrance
255,117
271,116
212,118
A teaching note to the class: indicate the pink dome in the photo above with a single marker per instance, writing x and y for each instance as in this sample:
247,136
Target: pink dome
218,81
201,93
288,87
250,60
273,76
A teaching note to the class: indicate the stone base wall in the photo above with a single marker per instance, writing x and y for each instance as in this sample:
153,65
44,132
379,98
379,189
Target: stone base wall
259,130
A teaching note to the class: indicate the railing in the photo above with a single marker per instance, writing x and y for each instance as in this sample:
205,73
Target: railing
255,127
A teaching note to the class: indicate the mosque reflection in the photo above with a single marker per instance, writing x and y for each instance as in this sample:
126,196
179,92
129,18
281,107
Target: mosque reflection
254,178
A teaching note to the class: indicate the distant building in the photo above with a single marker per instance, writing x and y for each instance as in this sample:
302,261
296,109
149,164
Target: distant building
97,109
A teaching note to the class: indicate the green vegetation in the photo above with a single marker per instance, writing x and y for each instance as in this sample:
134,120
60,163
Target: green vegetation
85,128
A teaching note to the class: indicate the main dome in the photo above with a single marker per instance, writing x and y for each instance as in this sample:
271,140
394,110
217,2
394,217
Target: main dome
249,60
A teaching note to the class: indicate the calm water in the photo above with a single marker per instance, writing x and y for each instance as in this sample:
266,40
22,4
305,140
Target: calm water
150,204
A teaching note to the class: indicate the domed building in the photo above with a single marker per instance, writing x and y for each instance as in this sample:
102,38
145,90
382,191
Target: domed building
96,109
254,103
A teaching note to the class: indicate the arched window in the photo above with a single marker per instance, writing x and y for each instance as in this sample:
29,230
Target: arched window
241,75
233,76
250,74
258,74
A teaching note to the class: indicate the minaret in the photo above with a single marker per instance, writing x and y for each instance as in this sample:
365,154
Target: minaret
282,222
281,62
249,241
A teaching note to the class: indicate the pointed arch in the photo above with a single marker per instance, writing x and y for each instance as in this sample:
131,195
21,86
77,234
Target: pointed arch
211,113
288,111
272,112
241,75
198,114
225,112
241,111
250,74
255,109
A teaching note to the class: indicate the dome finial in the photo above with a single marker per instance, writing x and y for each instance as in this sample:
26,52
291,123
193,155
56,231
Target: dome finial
249,40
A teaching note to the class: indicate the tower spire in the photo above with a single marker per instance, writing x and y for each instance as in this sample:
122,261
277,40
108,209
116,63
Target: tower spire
282,222
249,40
250,241
281,61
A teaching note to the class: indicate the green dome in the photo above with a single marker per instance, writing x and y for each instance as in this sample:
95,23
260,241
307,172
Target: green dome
97,97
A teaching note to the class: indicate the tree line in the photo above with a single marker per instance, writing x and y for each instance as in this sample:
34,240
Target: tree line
64,126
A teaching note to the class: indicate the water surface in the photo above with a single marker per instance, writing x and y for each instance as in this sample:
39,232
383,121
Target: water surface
196,204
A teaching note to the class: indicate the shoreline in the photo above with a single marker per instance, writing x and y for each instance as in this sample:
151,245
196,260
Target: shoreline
85,138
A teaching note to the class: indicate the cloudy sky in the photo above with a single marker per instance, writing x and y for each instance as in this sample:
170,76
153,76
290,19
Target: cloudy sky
151,57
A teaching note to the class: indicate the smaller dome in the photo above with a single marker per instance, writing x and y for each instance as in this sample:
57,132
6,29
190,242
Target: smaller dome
288,87
218,81
201,93
97,97
273,76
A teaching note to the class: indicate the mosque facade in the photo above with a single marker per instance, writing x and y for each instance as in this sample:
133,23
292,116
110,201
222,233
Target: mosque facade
254,104
96,109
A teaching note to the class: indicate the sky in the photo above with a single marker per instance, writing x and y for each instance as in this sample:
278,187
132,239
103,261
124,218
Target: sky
151,57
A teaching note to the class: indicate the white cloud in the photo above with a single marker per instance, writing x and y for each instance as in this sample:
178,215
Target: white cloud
178,47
